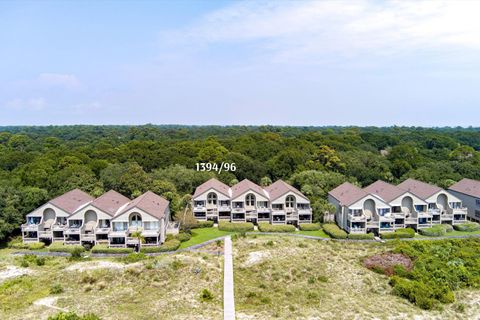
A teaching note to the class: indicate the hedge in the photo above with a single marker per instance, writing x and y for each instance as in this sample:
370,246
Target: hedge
203,224
435,231
103,248
28,246
447,227
334,231
399,233
267,227
183,236
235,227
309,226
469,226
60,247
361,236
170,245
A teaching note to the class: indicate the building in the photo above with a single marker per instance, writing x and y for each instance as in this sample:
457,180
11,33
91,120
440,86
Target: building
442,205
468,191
77,218
246,201
382,207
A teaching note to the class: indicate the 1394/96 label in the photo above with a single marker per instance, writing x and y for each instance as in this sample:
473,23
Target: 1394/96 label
218,167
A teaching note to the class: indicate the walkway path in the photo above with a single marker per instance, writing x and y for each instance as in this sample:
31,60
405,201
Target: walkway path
228,300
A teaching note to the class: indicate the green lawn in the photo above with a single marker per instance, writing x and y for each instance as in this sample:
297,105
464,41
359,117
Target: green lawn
318,233
203,234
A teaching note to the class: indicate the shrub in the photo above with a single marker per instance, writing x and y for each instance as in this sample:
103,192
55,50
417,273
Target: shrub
60,247
73,316
447,227
309,226
206,295
56,288
235,227
183,236
334,231
133,257
435,231
170,245
30,246
267,227
399,233
102,248
40,261
361,236
469,226
203,224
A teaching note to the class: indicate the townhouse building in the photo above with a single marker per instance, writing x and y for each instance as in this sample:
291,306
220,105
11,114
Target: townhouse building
279,203
468,191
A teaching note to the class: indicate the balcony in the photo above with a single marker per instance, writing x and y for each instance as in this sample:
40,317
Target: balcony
88,237
30,227
292,216
151,233
375,224
224,208
199,209
263,210
356,230
238,210
411,220
352,217
45,234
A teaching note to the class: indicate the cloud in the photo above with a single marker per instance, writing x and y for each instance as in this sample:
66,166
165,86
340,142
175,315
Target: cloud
30,104
69,81
308,30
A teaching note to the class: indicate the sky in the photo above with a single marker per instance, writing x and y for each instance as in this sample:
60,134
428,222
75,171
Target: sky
363,63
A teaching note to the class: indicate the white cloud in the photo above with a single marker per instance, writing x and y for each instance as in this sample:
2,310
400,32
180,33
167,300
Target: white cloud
69,81
304,31
30,104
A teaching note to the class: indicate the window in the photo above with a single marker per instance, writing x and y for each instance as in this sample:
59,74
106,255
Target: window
290,202
151,225
478,202
432,206
136,220
75,223
212,198
418,208
355,212
477,213
455,205
383,211
33,220
119,226
250,199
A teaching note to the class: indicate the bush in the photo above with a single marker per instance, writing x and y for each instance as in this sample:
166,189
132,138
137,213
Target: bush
183,236
133,257
60,247
468,227
203,224
73,316
447,227
56,288
170,245
267,227
361,236
76,252
435,231
309,226
28,246
399,233
235,227
102,248
334,231
206,295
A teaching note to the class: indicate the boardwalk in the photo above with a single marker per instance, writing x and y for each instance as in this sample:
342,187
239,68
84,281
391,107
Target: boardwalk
228,300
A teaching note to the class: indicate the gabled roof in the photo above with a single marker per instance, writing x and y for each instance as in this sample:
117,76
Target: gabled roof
348,194
388,192
246,185
420,189
149,202
212,184
279,188
72,200
110,202
467,186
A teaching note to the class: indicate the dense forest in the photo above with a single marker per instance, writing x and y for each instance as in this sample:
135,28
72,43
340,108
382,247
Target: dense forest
38,163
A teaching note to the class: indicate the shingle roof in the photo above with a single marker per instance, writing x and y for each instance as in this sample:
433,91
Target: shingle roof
347,193
467,186
420,189
110,202
212,184
149,202
244,186
279,188
384,190
72,200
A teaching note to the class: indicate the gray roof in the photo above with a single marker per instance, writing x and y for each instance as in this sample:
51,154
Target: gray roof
467,186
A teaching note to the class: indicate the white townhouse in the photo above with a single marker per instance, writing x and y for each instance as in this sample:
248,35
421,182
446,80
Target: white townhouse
468,191
358,211
407,209
247,201
111,219
92,222
49,221
442,205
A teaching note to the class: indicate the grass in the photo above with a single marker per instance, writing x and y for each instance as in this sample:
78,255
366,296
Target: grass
454,233
203,234
166,287
318,233
299,278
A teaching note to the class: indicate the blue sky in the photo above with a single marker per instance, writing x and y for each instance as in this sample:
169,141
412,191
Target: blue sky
255,62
